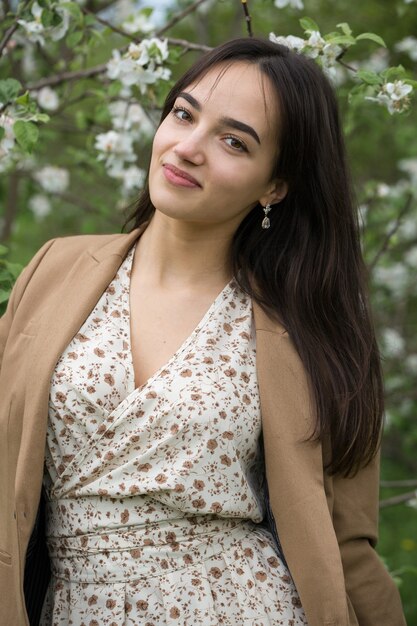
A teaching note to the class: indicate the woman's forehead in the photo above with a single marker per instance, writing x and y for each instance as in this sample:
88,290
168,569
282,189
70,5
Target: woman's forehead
239,87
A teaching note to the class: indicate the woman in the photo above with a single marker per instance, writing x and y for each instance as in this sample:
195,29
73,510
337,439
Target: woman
167,396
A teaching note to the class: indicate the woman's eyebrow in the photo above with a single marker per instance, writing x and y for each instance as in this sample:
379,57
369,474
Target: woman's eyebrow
226,121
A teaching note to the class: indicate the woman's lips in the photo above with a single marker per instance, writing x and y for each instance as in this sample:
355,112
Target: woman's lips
179,177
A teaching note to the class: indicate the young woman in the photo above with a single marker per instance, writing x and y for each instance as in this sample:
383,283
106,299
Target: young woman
157,383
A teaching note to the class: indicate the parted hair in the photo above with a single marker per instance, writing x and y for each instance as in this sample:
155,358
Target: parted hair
307,269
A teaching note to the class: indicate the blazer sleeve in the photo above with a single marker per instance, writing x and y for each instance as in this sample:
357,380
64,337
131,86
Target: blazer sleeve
18,292
373,596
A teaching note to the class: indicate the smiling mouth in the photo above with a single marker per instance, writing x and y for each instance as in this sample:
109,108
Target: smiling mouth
179,177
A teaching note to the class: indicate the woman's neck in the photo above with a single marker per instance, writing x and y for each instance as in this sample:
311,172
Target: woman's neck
179,255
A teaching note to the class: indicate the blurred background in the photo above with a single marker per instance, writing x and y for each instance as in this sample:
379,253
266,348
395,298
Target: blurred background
85,169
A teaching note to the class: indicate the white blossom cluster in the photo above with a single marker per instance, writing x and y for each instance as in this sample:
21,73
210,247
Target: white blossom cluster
7,142
130,123
36,32
408,45
141,65
394,96
52,180
138,23
315,47
47,98
295,4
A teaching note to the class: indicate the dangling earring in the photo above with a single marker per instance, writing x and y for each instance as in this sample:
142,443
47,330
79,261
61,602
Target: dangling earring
265,222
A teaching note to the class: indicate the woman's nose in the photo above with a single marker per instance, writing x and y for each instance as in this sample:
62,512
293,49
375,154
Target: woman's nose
191,149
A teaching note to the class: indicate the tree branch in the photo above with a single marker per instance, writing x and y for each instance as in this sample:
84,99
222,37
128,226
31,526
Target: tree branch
11,30
401,499
177,18
58,79
247,17
391,232
398,483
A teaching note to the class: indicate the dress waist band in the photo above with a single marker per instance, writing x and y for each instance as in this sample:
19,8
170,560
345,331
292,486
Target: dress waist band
133,552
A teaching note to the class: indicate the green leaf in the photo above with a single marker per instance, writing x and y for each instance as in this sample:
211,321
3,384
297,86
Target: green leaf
114,88
56,19
74,38
95,37
9,88
74,10
2,133
370,78
26,134
342,40
394,73
81,120
308,24
47,17
40,117
4,295
14,269
24,99
372,37
3,249
345,28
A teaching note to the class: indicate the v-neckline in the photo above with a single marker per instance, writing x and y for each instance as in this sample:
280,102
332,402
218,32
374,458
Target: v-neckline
185,344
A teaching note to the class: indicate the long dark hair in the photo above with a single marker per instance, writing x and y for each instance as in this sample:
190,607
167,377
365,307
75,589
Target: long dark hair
307,269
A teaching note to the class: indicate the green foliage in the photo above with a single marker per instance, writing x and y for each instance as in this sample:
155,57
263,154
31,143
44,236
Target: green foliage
8,274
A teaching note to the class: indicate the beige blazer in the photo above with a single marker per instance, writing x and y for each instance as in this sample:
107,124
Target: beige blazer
327,526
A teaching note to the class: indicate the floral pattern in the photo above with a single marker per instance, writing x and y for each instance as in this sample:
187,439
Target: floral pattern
155,494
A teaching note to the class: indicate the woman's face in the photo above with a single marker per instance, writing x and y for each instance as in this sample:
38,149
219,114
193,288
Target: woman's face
213,154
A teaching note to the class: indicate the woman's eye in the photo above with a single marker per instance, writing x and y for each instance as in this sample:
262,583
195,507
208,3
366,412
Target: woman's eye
236,144
181,113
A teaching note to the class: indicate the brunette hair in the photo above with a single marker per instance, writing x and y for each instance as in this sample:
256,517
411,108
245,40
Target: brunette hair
307,269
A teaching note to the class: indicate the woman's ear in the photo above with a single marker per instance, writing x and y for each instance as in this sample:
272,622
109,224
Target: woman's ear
276,193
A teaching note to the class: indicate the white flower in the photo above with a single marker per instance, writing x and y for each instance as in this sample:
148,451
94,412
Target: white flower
113,143
141,65
293,43
410,257
408,228
53,179
35,30
330,53
394,96
47,99
295,4
131,117
316,43
409,46
383,190
153,50
393,343
115,148
58,32
138,24
132,178
409,166
411,363
397,90
7,143
40,205
395,277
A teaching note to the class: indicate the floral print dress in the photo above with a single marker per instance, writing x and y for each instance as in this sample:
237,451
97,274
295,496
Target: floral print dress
155,493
